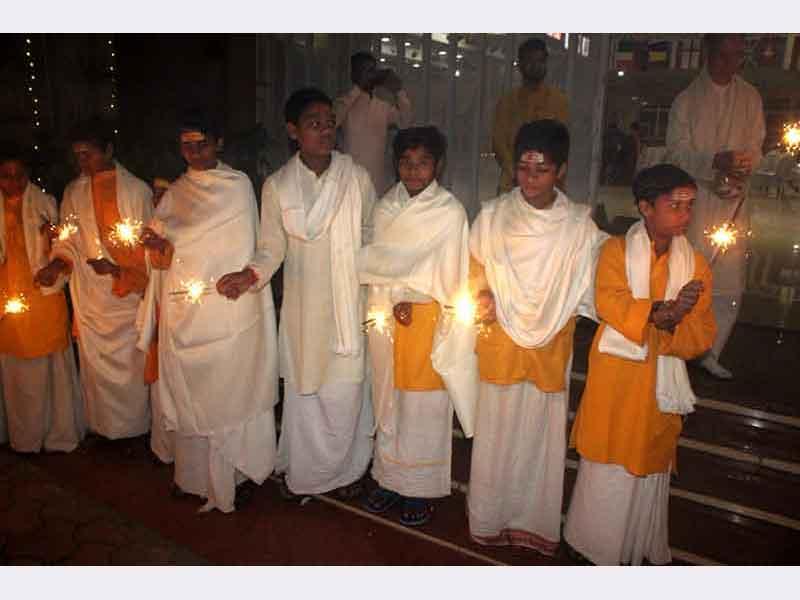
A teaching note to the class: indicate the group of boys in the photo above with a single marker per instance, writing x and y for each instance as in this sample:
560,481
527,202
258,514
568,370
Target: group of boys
192,301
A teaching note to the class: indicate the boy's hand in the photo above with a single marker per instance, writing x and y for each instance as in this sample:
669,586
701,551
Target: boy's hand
486,307
47,276
103,266
402,313
237,283
152,241
732,161
687,298
662,315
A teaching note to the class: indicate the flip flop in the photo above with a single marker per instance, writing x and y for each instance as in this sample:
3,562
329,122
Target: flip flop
381,500
416,512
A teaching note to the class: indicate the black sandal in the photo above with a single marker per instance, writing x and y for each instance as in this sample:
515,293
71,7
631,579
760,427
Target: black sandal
380,500
416,512
350,491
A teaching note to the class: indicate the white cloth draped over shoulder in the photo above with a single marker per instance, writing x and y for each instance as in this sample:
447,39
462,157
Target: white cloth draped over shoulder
673,390
217,358
36,207
111,366
540,264
422,243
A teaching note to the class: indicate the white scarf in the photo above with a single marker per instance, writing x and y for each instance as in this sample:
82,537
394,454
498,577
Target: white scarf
673,390
422,243
35,205
539,263
338,210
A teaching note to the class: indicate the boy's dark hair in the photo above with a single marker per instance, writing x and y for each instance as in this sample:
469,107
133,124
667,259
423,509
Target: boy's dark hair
713,41
358,62
94,131
530,45
200,119
548,136
658,180
302,99
428,137
12,151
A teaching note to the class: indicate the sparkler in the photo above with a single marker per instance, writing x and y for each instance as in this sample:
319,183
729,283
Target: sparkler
16,305
791,137
722,237
193,290
63,231
378,320
125,233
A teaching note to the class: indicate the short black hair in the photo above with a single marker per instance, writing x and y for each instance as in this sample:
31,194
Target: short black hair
530,45
10,151
94,131
300,100
200,119
713,41
361,59
658,180
428,137
548,136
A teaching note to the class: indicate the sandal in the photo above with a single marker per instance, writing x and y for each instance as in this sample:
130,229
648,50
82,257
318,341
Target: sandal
351,491
416,512
380,500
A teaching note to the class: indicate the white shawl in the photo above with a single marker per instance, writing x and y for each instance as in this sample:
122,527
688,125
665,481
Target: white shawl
539,264
35,205
422,243
673,390
337,210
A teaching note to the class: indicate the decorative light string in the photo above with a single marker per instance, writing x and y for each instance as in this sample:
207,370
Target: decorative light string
111,70
33,88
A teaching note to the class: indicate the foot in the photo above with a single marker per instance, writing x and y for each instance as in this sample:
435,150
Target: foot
351,491
244,494
289,495
710,364
380,500
416,512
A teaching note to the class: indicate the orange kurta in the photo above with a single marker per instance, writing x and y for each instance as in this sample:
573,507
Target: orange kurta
618,421
413,369
133,272
43,328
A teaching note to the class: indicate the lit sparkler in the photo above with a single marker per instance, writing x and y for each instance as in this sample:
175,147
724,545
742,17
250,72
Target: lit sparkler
378,320
464,309
791,137
67,228
16,305
125,233
193,290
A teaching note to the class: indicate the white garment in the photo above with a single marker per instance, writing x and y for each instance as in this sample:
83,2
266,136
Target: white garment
618,518
321,313
326,437
673,389
365,120
43,402
540,264
162,440
112,369
703,122
433,266
516,480
217,358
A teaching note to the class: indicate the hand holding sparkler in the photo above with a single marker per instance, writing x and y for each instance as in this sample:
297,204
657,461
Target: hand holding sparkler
48,275
237,283
686,299
103,266
402,313
486,307
152,241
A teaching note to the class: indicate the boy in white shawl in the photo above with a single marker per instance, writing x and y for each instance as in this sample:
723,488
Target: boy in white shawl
417,268
535,251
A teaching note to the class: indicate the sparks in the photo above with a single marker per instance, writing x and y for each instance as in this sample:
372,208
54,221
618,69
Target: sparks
791,137
16,305
465,309
125,233
193,290
723,236
68,228
377,319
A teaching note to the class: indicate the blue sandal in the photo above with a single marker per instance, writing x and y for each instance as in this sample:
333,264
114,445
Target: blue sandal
380,500
416,512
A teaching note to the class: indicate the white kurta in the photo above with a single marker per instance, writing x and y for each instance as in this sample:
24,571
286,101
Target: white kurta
419,254
327,419
706,119
540,266
365,120
43,401
112,368
218,358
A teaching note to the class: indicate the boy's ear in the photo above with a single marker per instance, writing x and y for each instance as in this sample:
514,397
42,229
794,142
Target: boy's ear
439,168
645,208
291,129
562,171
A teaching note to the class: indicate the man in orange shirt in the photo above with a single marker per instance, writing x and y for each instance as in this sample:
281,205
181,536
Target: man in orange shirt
653,296
107,279
37,366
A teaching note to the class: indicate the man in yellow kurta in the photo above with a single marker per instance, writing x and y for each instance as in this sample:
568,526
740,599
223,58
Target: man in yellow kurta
653,295
107,279
533,100
417,267
37,366
536,249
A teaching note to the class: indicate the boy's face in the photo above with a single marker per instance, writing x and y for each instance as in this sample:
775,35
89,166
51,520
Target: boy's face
315,131
199,150
91,158
670,214
13,178
537,176
533,65
417,169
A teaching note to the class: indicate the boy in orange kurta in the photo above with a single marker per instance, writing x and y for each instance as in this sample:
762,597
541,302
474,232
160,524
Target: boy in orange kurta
624,431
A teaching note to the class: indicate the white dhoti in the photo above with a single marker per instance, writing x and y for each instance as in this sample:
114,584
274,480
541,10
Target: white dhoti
43,402
162,440
517,477
618,518
326,437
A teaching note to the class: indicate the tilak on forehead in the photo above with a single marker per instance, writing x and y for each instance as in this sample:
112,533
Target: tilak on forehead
532,156
193,136
681,194
78,147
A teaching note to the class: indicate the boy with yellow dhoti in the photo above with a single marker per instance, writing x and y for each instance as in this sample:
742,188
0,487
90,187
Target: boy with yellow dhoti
534,251
312,212
107,277
653,296
417,269
43,403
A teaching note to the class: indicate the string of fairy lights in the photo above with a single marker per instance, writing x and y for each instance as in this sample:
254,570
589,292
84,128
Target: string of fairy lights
33,84
113,103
